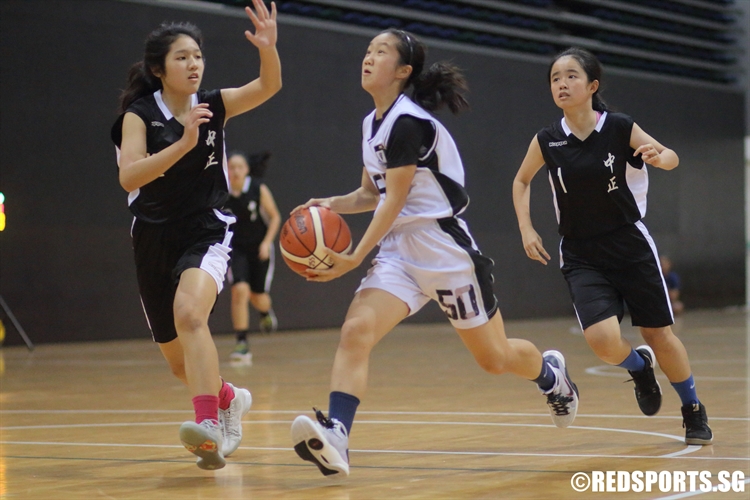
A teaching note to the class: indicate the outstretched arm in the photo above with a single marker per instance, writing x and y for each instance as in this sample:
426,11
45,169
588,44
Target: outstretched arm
363,199
242,99
531,164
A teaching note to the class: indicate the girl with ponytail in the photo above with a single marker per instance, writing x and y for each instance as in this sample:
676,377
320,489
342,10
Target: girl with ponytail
170,151
413,179
596,161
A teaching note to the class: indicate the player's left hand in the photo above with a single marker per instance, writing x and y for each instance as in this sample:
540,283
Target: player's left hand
342,264
265,25
649,154
264,251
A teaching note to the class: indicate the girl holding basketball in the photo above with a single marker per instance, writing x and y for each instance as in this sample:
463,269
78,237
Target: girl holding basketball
596,162
413,179
170,140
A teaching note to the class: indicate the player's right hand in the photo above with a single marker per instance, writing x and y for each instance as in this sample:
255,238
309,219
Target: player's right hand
198,115
314,202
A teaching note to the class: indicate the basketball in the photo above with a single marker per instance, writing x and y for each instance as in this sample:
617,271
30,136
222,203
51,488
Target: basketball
308,234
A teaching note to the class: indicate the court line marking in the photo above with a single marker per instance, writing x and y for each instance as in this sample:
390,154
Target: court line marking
396,452
365,412
359,422
604,371
688,449
695,493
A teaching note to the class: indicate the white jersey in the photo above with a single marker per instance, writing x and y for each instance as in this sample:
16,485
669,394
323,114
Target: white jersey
437,191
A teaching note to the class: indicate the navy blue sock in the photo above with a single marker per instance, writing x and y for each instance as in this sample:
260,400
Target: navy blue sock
686,390
634,362
546,379
342,407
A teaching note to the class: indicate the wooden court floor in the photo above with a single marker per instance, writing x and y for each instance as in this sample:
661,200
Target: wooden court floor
99,420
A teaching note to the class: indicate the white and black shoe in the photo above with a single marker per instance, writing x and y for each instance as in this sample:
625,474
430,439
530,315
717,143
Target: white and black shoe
562,399
324,443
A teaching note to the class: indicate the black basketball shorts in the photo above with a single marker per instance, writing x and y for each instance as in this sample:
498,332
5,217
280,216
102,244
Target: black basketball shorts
621,267
164,251
248,268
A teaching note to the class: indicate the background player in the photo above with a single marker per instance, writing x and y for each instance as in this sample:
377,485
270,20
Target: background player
258,222
672,279
413,179
170,137
596,163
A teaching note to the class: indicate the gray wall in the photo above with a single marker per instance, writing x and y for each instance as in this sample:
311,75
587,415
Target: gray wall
66,267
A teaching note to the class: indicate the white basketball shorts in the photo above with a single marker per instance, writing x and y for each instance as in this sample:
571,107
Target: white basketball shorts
438,260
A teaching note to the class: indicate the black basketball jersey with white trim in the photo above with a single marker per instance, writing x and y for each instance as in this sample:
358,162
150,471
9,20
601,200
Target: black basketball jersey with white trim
251,225
196,182
597,184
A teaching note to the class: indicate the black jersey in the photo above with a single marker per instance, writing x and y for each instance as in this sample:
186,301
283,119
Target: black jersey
251,225
199,180
597,184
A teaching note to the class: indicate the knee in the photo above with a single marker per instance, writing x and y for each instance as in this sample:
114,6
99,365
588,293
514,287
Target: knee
187,319
356,335
655,335
240,292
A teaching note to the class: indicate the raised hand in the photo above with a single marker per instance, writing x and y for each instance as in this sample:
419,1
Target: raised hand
265,25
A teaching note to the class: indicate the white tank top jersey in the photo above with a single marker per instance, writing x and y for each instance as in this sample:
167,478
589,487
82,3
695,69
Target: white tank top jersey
435,193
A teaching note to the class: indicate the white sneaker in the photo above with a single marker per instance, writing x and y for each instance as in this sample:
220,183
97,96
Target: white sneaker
204,440
230,420
562,399
241,354
324,443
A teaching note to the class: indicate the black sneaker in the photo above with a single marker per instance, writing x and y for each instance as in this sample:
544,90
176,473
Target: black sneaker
695,422
647,389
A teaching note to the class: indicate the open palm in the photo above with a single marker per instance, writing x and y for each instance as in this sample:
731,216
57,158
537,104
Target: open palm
265,24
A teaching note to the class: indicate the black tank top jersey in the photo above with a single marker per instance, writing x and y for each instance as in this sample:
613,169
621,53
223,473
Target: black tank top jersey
198,181
251,226
598,185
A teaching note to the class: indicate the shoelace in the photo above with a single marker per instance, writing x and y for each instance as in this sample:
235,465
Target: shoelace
325,422
694,421
559,403
642,378
229,428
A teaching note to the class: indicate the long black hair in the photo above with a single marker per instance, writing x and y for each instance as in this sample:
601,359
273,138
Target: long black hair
257,162
141,78
591,66
442,84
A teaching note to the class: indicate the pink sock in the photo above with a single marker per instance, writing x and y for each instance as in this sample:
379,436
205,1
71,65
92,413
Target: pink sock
226,395
206,408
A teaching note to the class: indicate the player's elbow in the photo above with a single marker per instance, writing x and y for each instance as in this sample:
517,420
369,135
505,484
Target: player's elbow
272,87
127,183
